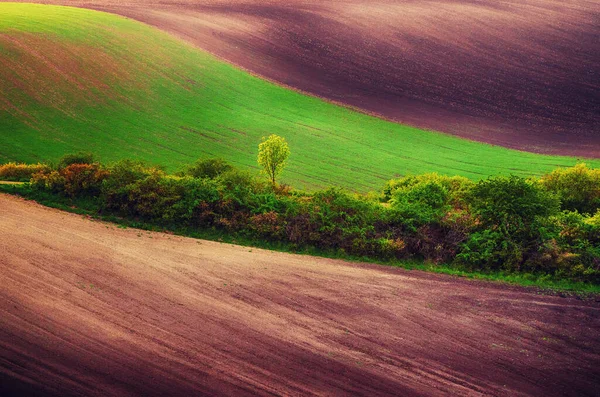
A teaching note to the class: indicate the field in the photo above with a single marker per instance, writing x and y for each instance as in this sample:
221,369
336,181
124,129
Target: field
87,308
74,79
363,91
522,74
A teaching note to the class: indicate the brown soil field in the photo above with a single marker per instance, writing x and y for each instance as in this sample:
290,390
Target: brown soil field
87,308
523,74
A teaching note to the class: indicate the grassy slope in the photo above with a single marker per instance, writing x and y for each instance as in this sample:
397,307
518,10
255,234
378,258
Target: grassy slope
73,79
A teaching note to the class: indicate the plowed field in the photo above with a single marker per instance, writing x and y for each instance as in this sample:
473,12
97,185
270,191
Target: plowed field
87,308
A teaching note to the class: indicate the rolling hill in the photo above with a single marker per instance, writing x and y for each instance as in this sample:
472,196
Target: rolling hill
74,79
89,309
521,74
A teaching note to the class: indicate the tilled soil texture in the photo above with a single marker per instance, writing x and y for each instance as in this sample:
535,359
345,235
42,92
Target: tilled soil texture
87,308
521,74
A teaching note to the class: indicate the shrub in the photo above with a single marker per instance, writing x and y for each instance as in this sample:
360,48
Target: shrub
574,251
512,215
75,158
237,180
578,187
490,250
594,222
51,181
239,187
73,180
334,219
456,186
269,225
125,172
150,198
83,179
511,203
150,194
387,248
419,204
195,196
21,172
208,168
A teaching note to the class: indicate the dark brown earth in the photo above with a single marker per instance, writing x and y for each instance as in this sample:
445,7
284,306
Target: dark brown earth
87,308
518,73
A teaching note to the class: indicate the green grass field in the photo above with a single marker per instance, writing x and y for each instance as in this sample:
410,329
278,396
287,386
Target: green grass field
73,79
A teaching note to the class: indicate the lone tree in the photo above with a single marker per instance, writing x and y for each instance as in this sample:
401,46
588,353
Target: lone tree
272,154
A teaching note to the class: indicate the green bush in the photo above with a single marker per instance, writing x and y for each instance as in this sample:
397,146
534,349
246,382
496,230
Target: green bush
489,250
511,204
196,195
420,204
76,158
270,225
578,188
512,215
594,222
116,186
164,198
336,219
208,168
574,251
456,186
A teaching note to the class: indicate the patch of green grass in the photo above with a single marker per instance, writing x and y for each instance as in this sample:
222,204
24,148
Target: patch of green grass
86,80
541,283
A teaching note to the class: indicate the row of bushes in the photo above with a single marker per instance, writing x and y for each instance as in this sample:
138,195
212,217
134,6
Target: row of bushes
20,172
548,225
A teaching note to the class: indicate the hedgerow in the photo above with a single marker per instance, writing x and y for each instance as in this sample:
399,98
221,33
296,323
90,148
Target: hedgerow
20,172
509,224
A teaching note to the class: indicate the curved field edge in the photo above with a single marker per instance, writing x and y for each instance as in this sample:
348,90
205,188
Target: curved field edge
536,282
77,79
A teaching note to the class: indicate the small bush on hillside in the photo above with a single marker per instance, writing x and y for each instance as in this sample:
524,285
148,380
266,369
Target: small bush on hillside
390,248
83,179
270,225
511,204
335,219
574,251
150,194
115,192
51,181
21,172
208,168
195,195
512,215
73,181
125,172
578,188
239,187
431,214
76,158
420,204
456,186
